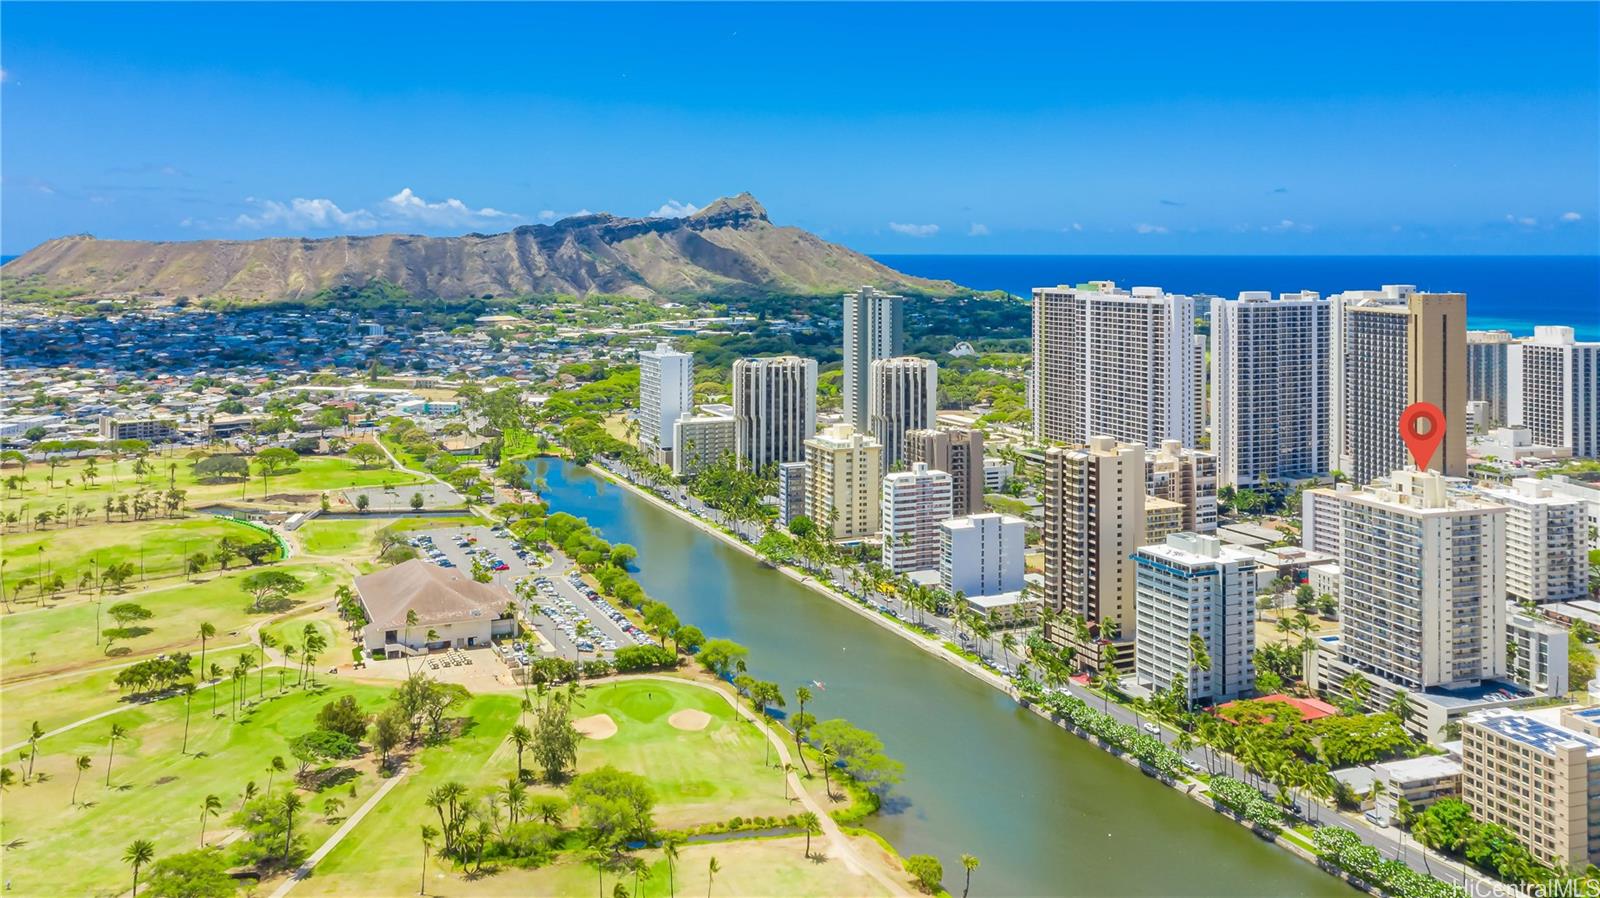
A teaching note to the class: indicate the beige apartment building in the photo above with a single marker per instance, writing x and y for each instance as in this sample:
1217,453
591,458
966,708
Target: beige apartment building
1187,477
1094,519
1538,779
844,468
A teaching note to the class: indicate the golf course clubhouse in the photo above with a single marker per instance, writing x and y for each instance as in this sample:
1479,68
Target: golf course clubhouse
419,607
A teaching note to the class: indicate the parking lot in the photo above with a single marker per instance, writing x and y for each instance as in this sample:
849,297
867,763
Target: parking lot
579,622
457,547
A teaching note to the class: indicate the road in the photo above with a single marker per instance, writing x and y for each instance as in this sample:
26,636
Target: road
1387,840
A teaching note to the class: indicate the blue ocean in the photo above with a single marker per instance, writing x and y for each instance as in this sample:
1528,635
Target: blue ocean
1511,293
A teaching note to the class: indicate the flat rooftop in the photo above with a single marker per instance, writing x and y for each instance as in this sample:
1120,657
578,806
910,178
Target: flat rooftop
1427,767
1535,733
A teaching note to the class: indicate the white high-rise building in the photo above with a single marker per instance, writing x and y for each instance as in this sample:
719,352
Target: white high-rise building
1113,362
982,554
1488,362
1545,559
775,409
915,503
1271,387
666,391
874,328
1553,389
1319,518
702,441
1190,586
902,395
1422,583
1390,349
1537,650
844,470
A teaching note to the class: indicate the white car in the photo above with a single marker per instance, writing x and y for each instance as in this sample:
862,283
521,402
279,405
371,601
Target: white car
1152,729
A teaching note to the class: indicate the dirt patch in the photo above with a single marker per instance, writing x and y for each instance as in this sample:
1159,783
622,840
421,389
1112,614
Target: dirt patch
596,726
691,719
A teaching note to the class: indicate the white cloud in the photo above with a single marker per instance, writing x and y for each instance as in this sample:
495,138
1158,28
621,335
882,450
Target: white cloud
914,230
674,209
1525,221
1287,225
1149,229
300,213
452,212
1571,216
978,230
547,215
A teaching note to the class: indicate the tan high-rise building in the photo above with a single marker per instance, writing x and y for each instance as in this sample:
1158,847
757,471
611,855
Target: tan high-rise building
1536,778
958,452
1094,519
1187,477
844,470
902,395
1392,348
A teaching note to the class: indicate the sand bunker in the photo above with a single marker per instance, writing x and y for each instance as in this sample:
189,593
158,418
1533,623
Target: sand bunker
690,719
598,726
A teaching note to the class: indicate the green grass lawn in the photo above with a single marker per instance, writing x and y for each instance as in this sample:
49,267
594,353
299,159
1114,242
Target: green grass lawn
156,792
309,477
699,777
771,868
56,703
37,642
161,546
347,536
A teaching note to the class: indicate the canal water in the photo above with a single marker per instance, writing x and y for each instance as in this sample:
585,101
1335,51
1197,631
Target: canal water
1046,813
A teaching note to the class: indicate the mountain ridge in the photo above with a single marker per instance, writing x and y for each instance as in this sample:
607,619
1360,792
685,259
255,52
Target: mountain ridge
729,247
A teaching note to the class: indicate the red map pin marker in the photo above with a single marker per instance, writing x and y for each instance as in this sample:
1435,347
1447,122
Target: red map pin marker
1422,427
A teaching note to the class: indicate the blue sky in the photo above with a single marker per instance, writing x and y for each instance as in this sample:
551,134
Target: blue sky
1253,128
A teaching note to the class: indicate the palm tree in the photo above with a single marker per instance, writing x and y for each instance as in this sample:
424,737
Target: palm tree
188,702
969,862
669,850
8,778
266,641
291,804
811,824
33,748
216,677
83,763
207,630
829,756
117,732
521,737
275,767
211,807
712,869
138,854
411,621
1401,707
428,835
